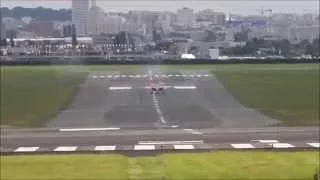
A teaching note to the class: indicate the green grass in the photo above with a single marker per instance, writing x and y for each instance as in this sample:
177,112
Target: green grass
291,95
217,165
31,95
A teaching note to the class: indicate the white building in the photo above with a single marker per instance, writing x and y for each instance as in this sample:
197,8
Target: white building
185,17
113,24
297,34
80,13
96,18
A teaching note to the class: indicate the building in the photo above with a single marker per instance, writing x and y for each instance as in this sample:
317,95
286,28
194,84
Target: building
40,28
96,18
185,17
80,13
67,30
298,34
113,24
2,28
208,15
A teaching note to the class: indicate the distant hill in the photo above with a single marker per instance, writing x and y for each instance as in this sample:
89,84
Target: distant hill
38,13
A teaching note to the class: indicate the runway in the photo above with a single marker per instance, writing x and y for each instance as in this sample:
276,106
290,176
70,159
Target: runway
115,111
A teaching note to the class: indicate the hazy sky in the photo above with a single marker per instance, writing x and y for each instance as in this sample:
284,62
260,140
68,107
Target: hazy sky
235,6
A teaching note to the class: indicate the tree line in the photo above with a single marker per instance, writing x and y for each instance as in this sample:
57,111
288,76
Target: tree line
39,13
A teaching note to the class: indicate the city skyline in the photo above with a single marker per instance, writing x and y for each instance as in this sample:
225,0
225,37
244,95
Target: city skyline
238,7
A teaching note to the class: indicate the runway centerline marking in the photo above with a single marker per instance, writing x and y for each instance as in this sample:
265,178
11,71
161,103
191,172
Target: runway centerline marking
89,129
192,131
120,88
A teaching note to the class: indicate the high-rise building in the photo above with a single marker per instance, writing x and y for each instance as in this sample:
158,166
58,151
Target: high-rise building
2,28
186,17
96,18
80,13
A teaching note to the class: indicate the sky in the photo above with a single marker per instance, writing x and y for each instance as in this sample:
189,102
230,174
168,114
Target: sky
226,6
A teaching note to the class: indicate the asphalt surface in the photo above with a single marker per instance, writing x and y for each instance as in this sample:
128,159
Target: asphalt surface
208,105
116,110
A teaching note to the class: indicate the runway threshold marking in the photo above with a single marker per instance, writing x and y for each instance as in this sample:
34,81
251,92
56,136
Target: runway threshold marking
192,131
316,145
266,141
183,147
242,146
65,148
184,87
282,145
120,88
89,129
144,147
26,149
169,142
105,148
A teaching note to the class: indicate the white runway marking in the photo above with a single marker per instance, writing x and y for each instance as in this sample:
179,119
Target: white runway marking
116,76
170,75
184,87
183,147
132,76
242,146
206,75
144,147
105,148
109,76
101,77
123,76
158,110
266,141
316,145
121,88
94,77
65,148
89,129
26,149
191,75
138,76
282,145
193,131
170,142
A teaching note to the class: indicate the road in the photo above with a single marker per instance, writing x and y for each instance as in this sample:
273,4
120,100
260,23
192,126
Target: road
116,111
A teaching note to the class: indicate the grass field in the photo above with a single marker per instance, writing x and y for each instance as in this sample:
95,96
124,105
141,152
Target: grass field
218,165
289,94
31,95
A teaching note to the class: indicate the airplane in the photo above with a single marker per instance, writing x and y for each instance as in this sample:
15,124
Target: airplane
156,87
